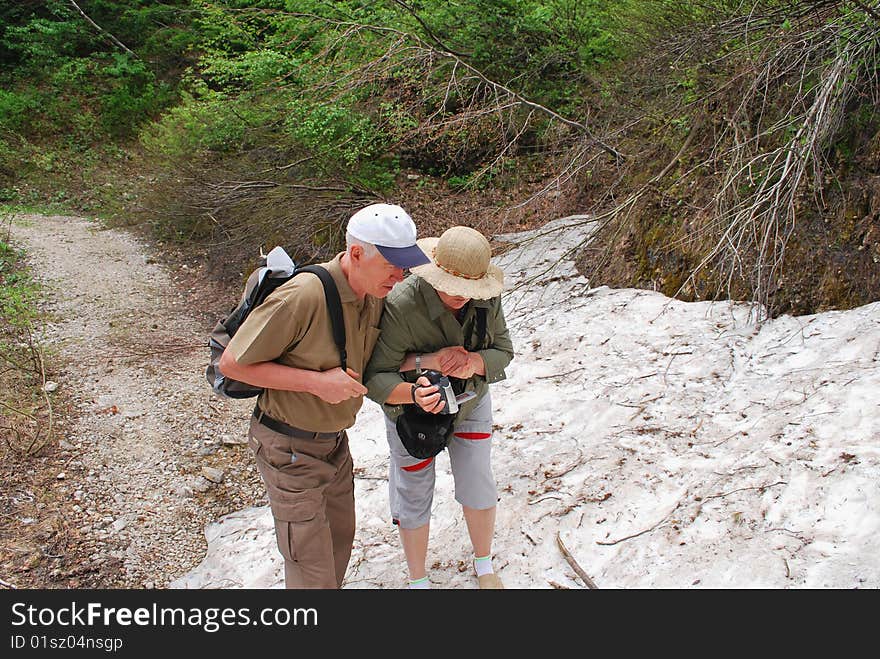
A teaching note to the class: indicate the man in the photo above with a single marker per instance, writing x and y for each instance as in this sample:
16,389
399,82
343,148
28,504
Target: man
432,321
298,430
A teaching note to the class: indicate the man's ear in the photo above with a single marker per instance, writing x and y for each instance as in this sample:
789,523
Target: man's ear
356,252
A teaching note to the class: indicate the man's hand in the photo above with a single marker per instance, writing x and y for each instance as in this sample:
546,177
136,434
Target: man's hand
450,359
335,386
427,396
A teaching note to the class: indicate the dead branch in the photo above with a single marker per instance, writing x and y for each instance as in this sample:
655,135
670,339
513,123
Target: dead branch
634,535
868,10
38,351
743,489
432,53
574,564
558,375
18,411
103,31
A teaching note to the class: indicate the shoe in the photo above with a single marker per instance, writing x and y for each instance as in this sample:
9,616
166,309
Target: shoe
490,581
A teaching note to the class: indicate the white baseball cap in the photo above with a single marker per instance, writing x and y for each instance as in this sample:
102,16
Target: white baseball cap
392,231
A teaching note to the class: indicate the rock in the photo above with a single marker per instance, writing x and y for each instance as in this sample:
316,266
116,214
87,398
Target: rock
232,440
61,476
202,485
50,386
183,491
213,474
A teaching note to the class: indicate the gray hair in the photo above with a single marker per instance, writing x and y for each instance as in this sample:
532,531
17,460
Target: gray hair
369,248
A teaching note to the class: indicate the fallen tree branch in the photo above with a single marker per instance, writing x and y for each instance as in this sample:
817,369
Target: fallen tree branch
743,489
574,564
868,10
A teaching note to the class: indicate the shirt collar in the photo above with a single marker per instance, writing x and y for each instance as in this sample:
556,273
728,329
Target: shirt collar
346,293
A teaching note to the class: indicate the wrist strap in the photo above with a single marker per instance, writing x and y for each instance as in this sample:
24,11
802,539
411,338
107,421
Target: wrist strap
419,363
412,392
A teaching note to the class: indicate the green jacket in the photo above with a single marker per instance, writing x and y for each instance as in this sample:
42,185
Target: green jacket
415,320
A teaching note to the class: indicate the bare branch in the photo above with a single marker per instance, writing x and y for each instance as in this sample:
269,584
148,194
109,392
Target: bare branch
868,10
103,31
574,564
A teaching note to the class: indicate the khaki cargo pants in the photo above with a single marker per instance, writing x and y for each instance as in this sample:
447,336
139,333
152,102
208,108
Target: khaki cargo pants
310,484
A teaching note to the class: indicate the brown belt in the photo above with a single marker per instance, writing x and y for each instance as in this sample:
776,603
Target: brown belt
291,431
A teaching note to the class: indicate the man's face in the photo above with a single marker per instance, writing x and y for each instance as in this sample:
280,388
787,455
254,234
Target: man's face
378,275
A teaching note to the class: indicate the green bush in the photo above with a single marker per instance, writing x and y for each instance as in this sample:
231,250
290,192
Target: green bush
18,292
209,123
15,108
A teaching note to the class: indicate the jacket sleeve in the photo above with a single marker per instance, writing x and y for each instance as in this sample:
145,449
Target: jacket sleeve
499,354
382,372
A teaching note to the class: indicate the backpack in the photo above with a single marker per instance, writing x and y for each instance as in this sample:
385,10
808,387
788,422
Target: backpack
424,434
278,269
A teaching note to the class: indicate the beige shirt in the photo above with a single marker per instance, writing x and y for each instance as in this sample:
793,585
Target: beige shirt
292,327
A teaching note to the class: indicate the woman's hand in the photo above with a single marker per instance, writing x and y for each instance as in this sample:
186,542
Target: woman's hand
427,396
473,365
449,359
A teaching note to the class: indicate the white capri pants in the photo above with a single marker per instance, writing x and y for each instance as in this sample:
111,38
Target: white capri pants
411,480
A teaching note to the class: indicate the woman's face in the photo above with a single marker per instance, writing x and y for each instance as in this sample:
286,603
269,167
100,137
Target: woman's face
454,302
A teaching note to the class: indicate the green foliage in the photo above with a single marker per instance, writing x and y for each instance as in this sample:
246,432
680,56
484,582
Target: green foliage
73,80
15,107
543,49
208,122
131,95
18,292
333,132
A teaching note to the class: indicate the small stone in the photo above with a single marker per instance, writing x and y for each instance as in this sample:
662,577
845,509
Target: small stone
202,485
61,476
50,386
212,474
183,491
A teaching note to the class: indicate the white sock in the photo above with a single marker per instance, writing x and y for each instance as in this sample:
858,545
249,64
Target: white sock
419,584
483,565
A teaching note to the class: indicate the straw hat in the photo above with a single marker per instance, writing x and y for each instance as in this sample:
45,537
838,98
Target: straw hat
460,264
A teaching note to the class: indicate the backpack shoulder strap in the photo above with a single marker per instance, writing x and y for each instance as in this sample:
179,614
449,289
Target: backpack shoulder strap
481,328
334,306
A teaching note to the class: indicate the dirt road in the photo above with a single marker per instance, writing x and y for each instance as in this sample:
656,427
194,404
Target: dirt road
149,454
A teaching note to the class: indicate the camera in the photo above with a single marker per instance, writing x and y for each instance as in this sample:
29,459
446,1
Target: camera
444,386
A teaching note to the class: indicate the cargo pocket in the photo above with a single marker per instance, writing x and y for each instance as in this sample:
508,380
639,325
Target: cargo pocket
301,532
296,506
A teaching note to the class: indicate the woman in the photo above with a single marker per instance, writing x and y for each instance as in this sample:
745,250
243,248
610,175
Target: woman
432,320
